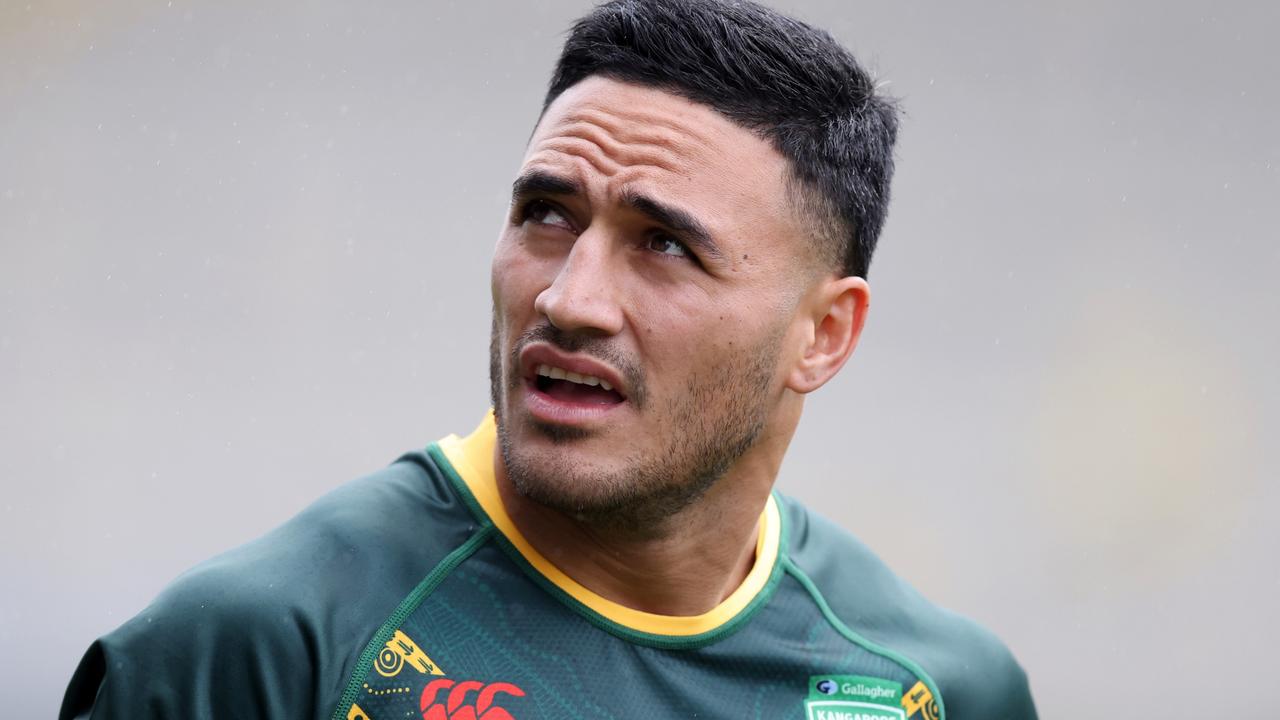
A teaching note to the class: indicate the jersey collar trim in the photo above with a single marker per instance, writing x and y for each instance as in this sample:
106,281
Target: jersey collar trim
472,460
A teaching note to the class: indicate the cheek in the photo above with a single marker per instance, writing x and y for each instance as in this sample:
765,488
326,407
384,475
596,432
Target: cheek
707,339
683,337
515,280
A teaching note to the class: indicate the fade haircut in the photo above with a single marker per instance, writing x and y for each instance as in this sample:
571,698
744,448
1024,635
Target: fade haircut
788,82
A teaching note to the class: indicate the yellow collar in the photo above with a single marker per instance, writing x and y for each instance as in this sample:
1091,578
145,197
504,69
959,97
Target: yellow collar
472,459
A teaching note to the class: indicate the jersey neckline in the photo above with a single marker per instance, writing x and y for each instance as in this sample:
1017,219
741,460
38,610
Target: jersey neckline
472,459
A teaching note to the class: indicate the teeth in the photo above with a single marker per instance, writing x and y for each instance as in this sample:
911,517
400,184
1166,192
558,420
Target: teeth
556,373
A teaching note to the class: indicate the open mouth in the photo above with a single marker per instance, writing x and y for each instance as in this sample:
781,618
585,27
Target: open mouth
571,387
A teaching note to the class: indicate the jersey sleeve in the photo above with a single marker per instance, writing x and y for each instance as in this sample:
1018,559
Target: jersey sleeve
207,647
978,677
974,672
273,628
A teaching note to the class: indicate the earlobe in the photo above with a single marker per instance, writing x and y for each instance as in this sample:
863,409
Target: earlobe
838,313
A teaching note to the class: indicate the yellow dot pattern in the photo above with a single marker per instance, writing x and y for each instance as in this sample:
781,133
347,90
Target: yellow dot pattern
386,691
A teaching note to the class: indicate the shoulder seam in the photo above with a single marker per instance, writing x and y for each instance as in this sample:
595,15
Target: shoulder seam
849,634
402,612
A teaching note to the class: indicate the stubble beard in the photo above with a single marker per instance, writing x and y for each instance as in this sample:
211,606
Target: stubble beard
720,416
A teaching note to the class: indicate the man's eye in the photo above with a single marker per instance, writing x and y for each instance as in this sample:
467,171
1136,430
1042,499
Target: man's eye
544,213
667,245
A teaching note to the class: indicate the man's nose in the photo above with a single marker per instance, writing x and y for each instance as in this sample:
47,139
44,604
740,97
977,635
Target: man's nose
583,296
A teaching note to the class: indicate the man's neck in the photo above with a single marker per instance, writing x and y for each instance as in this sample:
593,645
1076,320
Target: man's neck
687,567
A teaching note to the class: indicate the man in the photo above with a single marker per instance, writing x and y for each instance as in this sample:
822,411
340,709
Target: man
683,261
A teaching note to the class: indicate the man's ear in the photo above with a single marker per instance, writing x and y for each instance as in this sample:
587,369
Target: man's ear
837,310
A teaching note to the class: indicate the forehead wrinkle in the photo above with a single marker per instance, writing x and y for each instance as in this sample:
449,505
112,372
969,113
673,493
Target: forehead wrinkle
592,153
603,142
631,150
644,128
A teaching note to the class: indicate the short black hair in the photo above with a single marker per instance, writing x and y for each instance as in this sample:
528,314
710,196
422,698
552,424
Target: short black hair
791,83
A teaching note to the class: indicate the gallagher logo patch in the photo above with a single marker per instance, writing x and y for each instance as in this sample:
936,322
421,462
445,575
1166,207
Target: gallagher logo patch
853,697
459,704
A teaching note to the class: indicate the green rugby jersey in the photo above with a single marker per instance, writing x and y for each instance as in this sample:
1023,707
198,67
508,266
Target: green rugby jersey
410,594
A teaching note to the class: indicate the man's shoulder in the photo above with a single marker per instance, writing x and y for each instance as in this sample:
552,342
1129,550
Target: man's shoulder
282,612
370,530
974,671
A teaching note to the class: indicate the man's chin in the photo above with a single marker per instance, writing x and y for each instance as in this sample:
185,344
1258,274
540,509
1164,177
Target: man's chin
560,481
601,499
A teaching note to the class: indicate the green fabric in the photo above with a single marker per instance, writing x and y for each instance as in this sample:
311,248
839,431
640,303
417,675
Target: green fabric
857,639
386,633
274,628
974,674
395,597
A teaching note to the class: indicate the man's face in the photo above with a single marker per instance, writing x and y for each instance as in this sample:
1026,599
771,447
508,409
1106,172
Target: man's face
644,289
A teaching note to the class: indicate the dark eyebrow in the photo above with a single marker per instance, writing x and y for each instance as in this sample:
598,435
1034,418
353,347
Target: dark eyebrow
541,182
686,225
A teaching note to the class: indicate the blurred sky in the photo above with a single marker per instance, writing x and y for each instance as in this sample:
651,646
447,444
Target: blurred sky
244,257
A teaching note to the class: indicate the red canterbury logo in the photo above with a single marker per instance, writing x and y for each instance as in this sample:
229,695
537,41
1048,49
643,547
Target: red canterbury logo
455,707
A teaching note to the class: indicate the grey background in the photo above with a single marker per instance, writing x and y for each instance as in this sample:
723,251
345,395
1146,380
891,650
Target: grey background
244,258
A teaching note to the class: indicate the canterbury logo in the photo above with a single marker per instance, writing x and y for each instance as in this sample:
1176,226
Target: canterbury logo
454,706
